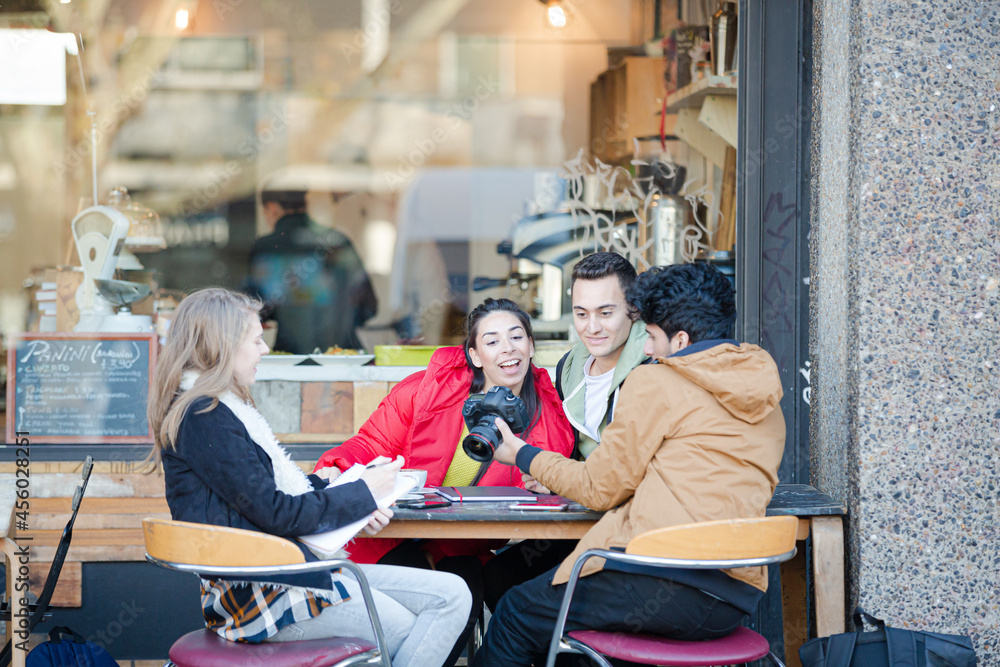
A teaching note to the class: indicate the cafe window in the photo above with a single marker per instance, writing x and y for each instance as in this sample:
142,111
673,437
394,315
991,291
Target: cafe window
463,150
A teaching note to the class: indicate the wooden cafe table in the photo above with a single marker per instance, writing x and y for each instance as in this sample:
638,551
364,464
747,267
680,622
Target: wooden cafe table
820,517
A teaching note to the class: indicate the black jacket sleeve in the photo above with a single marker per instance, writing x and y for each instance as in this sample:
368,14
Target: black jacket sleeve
216,449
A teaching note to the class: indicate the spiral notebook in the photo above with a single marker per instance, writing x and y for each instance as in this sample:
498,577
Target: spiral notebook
332,541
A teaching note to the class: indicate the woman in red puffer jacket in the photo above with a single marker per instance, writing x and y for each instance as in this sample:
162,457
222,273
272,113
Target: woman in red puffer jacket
421,419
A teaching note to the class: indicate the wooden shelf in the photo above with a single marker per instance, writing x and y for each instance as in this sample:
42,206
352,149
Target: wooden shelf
623,104
693,94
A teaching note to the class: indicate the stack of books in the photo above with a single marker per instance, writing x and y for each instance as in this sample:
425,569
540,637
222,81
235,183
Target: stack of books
46,298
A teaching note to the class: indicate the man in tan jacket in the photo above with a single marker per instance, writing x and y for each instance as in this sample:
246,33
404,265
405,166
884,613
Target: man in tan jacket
697,436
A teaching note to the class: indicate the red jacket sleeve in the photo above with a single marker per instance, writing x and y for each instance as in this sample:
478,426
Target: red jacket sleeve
385,433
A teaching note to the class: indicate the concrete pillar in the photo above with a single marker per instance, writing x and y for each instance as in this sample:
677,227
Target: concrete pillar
905,258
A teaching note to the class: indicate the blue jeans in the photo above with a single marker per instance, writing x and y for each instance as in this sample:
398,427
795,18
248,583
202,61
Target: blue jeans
422,614
521,629
409,553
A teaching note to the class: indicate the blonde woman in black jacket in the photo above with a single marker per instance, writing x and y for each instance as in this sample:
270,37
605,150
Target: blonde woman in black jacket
223,466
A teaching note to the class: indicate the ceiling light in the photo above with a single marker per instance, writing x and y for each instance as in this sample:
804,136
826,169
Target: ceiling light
181,19
556,13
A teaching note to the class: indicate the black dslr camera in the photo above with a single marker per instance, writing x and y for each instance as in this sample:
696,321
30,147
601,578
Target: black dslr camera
480,412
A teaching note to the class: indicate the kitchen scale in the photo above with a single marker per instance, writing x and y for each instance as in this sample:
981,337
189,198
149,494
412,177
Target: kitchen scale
122,294
99,233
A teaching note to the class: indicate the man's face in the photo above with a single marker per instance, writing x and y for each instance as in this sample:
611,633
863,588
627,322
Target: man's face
659,345
272,213
600,316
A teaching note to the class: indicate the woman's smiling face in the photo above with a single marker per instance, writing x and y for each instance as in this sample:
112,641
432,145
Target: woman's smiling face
503,350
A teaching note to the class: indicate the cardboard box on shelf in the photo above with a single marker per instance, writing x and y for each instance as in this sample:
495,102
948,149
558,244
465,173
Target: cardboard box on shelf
67,280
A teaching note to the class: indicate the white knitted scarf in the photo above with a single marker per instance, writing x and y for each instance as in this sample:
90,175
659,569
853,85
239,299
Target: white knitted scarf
288,477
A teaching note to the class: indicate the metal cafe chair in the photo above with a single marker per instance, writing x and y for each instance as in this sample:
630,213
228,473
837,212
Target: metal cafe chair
208,551
708,545
39,611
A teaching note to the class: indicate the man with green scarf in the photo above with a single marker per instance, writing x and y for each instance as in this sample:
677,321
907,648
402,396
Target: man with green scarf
588,379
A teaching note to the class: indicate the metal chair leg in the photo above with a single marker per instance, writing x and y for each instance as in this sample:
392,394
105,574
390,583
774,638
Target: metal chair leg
557,642
476,638
773,658
366,593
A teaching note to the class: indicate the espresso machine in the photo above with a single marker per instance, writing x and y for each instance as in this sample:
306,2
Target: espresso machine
545,245
554,241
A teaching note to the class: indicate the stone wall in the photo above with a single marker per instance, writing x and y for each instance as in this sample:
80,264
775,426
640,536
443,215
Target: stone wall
906,270
317,411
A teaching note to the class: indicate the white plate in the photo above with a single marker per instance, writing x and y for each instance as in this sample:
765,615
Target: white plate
321,359
282,359
411,496
341,359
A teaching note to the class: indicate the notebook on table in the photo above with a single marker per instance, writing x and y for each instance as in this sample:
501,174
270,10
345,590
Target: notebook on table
459,494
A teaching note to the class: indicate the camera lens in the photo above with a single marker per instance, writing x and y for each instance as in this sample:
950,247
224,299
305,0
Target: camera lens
482,441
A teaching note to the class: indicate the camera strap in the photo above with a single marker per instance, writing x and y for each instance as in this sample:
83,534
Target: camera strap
482,471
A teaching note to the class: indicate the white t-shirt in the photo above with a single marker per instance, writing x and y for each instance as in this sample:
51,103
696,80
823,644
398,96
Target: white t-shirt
595,398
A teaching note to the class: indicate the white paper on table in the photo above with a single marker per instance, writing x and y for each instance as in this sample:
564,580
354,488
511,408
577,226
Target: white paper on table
333,541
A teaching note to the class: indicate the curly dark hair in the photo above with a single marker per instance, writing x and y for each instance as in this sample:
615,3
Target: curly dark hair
696,298
603,264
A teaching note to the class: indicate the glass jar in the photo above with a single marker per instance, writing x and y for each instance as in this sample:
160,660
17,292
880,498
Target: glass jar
144,234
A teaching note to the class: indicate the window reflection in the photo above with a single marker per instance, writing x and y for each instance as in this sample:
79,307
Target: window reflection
424,132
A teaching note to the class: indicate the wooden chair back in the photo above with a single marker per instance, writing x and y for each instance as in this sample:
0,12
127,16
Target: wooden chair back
729,539
202,544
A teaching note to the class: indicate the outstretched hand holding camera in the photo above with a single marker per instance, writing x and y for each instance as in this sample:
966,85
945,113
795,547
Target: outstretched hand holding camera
479,413
510,446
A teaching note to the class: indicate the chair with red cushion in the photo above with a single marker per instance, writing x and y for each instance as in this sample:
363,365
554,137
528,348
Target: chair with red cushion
707,545
219,551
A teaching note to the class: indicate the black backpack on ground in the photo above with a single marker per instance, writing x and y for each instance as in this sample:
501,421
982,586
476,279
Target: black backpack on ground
887,647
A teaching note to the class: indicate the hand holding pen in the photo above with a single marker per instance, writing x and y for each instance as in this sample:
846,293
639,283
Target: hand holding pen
380,475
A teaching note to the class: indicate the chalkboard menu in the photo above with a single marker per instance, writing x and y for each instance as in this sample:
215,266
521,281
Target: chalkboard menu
80,387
